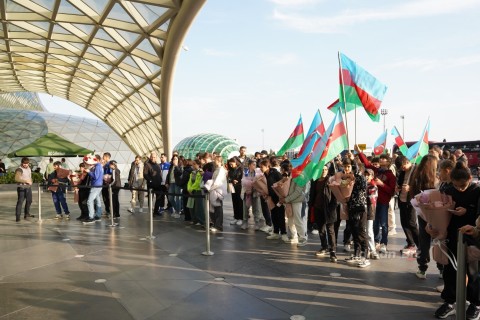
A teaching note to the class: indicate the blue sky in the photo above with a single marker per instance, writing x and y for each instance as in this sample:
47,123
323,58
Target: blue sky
259,64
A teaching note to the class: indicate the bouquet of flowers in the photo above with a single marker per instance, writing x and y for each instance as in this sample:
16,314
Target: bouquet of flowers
433,206
260,184
341,185
281,188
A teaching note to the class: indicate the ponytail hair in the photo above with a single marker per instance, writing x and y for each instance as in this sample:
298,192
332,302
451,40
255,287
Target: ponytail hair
460,172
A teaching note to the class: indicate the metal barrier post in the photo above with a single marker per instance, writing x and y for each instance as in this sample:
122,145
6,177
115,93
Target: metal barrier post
110,193
461,274
39,203
150,213
207,224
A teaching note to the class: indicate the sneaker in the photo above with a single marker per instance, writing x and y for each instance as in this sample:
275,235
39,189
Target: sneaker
67,217
392,232
131,210
259,225
444,311
421,274
140,210
363,263
347,248
314,231
352,260
473,312
321,253
286,239
58,216
198,224
239,222
213,230
408,250
175,215
383,249
28,216
244,225
234,221
302,242
266,229
333,257
374,256
89,221
273,236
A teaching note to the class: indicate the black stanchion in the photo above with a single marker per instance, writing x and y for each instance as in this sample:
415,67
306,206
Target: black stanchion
461,291
110,193
207,252
150,213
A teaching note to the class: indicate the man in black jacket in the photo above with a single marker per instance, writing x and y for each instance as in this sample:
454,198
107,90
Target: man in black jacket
152,173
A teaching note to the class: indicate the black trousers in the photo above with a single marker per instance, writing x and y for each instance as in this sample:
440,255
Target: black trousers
217,217
278,219
237,203
326,231
115,203
24,194
106,200
408,219
358,227
423,248
450,280
186,211
266,212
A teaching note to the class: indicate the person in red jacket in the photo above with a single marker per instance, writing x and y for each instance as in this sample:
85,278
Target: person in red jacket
386,183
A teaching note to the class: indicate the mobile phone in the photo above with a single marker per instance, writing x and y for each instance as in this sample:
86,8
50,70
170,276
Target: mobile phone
452,210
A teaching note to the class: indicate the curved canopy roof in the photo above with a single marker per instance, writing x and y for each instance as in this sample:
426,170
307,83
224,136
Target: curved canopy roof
115,58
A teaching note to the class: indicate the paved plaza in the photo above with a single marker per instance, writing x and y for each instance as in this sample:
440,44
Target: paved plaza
65,270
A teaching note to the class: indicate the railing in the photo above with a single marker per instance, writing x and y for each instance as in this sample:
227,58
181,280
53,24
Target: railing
204,195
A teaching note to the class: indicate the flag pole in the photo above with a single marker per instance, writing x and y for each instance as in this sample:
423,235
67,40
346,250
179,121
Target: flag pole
344,99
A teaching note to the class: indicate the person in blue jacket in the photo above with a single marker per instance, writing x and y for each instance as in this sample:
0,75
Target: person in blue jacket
95,172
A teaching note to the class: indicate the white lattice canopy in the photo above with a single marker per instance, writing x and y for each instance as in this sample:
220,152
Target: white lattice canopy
115,58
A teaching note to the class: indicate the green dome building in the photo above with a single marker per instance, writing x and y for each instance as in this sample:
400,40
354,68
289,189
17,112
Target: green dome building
206,142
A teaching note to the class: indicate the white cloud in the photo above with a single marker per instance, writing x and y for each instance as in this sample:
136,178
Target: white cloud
435,64
295,3
281,59
336,23
218,53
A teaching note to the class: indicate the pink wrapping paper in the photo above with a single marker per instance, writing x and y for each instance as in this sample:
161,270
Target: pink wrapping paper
341,186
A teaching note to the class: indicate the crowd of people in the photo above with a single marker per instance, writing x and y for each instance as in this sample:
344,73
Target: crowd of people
293,213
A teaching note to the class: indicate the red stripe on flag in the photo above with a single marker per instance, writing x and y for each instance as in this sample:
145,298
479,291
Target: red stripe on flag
298,131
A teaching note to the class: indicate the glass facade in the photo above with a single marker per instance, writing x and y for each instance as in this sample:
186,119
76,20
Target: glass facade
206,142
22,127
21,101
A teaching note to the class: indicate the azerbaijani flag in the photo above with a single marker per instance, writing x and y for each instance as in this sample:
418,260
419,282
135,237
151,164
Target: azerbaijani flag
294,140
360,88
337,104
380,144
316,126
299,163
418,150
332,143
399,141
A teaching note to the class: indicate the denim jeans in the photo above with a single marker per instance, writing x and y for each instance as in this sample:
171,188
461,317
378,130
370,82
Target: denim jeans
60,202
175,201
95,196
381,221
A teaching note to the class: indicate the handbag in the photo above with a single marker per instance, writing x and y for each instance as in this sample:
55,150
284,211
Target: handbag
230,188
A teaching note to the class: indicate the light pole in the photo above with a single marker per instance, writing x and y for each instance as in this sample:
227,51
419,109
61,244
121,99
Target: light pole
403,126
384,113
263,139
